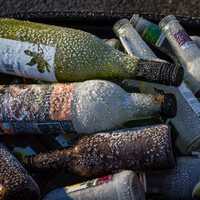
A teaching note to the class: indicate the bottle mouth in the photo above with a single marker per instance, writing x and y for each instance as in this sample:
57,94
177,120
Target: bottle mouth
169,106
119,24
134,19
160,72
166,20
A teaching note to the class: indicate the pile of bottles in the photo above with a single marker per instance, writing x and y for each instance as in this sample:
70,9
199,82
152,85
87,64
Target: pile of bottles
111,119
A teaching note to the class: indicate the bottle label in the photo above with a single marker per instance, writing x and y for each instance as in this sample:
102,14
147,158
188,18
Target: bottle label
43,103
151,34
183,39
27,59
88,184
13,128
190,98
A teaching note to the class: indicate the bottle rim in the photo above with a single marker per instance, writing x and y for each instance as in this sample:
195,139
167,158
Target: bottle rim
166,20
134,19
119,24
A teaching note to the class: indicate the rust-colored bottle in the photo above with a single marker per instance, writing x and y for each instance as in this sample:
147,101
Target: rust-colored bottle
15,183
103,153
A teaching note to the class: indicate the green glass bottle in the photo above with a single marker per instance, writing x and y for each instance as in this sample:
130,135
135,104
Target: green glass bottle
60,54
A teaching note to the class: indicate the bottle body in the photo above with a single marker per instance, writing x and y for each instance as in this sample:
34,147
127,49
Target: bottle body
85,107
15,183
185,49
132,41
37,54
177,183
126,183
104,153
152,34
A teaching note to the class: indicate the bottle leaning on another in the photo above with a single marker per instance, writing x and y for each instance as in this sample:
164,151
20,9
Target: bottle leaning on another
58,54
134,45
123,185
83,107
142,148
185,49
152,34
15,183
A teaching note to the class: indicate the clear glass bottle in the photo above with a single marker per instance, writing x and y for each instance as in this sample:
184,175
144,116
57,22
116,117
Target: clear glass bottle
185,49
131,40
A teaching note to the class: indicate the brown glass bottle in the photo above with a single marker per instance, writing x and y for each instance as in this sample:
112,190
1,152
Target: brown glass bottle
103,153
15,183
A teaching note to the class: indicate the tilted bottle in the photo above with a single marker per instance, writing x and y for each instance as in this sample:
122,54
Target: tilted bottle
187,121
131,40
134,45
15,183
126,183
103,153
177,183
185,49
60,54
84,107
152,34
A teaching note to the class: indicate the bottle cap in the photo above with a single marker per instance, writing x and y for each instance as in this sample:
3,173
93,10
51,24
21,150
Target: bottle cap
169,106
160,72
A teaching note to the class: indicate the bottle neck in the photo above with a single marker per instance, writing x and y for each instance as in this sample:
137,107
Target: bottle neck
140,106
48,161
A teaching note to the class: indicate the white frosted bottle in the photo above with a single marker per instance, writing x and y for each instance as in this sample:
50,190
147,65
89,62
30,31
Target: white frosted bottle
121,186
185,49
84,107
